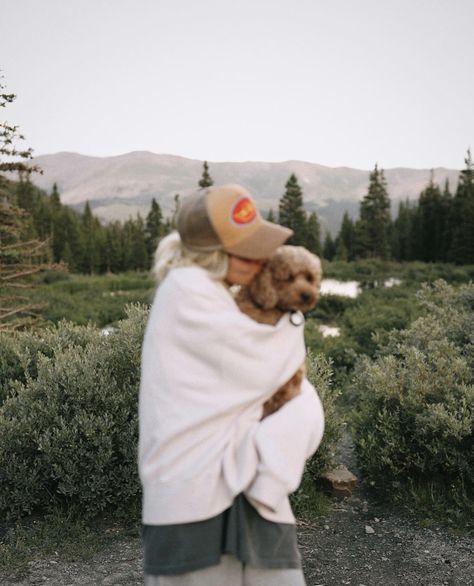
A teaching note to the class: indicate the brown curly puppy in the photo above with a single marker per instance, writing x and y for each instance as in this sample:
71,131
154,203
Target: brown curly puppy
290,281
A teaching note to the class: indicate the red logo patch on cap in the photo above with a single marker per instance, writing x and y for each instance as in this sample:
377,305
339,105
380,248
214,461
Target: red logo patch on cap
244,211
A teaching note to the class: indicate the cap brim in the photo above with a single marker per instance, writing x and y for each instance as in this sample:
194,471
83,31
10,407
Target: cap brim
262,243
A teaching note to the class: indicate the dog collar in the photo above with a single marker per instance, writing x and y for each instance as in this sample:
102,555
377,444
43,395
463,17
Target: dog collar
297,318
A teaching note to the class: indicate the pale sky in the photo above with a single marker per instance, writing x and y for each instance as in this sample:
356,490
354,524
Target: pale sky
334,82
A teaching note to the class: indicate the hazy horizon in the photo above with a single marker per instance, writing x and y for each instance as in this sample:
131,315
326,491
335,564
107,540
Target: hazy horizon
340,84
244,161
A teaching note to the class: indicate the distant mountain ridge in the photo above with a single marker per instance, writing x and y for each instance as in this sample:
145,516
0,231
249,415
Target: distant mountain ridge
121,186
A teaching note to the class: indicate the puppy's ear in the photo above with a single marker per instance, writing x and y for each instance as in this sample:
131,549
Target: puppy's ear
282,261
262,290
281,269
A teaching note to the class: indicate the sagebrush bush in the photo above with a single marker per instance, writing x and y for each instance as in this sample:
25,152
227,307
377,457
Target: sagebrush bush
307,501
21,352
68,422
68,431
331,308
319,373
414,428
10,364
375,313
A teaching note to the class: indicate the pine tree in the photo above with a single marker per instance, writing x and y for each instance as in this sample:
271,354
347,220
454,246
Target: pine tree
135,252
206,179
71,254
371,230
21,256
13,158
58,226
154,228
27,196
90,258
291,211
140,259
341,250
329,249
115,253
429,210
313,234
271,216
345,238
416,246
462,247
402,233
446,228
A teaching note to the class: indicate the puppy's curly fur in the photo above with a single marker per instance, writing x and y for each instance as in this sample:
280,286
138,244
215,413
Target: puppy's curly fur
290,281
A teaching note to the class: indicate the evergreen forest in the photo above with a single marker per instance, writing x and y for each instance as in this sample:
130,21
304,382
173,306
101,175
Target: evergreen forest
438,227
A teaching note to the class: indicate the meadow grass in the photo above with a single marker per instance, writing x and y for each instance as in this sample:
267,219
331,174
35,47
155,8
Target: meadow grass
101,299
97,299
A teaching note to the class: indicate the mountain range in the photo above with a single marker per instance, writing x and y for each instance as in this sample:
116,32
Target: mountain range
121,186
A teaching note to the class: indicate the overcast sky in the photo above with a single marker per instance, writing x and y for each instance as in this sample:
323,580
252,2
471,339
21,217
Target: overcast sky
335,82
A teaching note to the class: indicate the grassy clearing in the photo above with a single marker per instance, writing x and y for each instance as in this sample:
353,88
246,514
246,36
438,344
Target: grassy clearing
372,270
83,299
101,299
59,535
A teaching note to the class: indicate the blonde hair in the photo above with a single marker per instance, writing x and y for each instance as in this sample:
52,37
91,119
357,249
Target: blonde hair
172,253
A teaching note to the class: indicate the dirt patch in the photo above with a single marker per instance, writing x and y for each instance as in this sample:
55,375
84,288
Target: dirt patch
120,564
340,549
361,547
357,544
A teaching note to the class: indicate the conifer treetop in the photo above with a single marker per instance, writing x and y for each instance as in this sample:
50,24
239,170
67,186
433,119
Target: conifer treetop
12,157
206,179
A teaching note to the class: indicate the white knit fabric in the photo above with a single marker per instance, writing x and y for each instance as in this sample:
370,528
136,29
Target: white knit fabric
207,369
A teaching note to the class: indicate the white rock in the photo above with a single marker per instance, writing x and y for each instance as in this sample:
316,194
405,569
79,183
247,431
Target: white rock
369,530
328,331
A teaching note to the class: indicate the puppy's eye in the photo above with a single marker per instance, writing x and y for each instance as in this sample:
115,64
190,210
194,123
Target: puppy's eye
291,278
310,277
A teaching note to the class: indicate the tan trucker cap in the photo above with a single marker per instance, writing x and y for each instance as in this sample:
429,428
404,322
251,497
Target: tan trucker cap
226,218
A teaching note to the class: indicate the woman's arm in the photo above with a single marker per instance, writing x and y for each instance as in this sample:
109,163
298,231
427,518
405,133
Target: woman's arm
283,442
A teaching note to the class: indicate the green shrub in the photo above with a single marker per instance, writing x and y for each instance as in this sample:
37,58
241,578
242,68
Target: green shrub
319,373
414,429
308,502
342,351
68,423
10,364
68,432
49,277
377,312
21,351
331,308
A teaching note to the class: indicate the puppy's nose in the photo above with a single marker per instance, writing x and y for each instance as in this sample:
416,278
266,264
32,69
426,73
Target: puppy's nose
305,297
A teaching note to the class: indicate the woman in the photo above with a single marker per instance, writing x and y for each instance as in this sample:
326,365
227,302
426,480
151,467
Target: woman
215,476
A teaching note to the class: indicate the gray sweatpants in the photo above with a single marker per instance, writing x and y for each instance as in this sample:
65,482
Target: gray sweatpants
230,572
